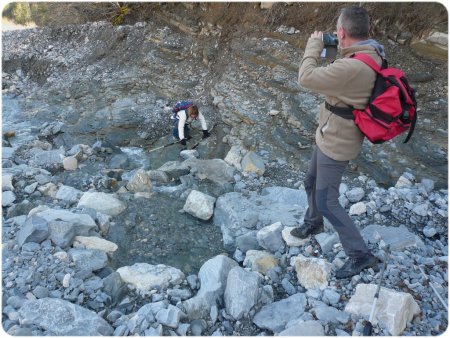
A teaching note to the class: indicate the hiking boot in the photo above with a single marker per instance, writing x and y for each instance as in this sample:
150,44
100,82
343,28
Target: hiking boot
353,266
307,230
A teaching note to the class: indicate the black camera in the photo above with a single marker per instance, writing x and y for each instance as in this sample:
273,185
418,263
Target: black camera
331,42
330,39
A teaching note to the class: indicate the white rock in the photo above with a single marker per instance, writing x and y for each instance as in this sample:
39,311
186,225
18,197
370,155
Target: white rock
8,198
66,280
70,163
234,157
140,182
393,309
260,260
146,276
403,182
312,272
95,243
274,112
7,183
358,209
48,189
102,202
291,240
199,205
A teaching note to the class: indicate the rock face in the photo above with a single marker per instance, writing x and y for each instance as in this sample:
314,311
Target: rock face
63,318
393,310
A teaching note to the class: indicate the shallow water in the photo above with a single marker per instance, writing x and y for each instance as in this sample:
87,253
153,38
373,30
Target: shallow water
154,231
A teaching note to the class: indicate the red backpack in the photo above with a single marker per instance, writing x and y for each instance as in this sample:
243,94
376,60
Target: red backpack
392,107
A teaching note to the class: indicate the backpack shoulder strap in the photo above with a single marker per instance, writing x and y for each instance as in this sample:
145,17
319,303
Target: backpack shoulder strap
368,61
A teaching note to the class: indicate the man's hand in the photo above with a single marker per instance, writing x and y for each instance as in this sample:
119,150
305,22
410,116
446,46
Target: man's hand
183,141
205,134
316,35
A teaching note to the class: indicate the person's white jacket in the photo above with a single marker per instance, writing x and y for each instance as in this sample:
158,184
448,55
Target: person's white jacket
183,119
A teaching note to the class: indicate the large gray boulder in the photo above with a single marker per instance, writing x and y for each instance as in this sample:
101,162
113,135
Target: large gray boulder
35,229
107,204
238,214
62,318
276,315
199,205
241,292
213,278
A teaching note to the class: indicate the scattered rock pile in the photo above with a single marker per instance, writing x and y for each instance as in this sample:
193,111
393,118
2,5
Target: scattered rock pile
56,261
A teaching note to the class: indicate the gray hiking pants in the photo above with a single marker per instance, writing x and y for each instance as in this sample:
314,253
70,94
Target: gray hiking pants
322,188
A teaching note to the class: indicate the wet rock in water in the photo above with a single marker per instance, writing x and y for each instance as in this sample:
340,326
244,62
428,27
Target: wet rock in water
199,205
145,276
175,169
60,317
102,202
140,182
95,243
241,292
393,310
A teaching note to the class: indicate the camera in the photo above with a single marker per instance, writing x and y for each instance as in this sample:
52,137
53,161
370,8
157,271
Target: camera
329,39
330,42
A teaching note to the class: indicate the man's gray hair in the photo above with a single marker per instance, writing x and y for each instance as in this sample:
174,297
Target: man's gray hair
355,21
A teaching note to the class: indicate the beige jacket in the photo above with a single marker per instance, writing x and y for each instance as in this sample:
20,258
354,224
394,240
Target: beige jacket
345,82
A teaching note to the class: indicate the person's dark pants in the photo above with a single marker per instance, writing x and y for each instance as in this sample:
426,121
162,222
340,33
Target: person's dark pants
322,188
175,131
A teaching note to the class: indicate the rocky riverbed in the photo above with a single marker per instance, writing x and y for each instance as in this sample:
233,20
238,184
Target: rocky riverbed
102,236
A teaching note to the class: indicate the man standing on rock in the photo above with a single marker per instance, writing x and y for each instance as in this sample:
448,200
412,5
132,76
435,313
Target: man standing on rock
346,82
